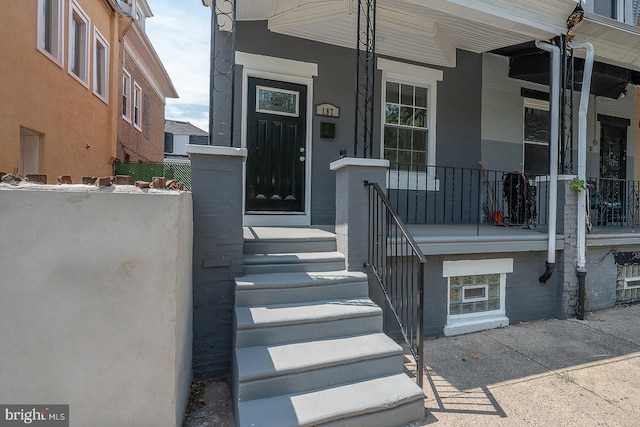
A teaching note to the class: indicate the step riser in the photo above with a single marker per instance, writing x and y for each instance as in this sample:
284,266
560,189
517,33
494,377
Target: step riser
321,378
279,247
290,295
291,268
400,416
319,366
308,331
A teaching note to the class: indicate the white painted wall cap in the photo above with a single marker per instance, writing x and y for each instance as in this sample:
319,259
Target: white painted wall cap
216,150
358,161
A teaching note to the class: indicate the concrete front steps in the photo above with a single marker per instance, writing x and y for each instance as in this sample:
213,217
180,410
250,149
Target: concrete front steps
309,346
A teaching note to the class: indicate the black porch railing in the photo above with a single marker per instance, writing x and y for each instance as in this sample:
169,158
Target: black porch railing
399,265
448,195
614,202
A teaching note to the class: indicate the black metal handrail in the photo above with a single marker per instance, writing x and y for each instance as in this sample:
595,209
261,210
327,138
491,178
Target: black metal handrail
399,266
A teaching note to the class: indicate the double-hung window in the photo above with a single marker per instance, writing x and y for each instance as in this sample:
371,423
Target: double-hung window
126,95
50,29
78,62
100,66
409,123
536,137
137,106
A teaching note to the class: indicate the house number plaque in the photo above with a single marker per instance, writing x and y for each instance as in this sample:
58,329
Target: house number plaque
327,110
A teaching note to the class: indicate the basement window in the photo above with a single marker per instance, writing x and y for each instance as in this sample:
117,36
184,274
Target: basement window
476,297
627,276
632,282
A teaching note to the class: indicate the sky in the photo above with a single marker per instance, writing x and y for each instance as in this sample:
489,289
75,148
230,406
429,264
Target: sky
180,33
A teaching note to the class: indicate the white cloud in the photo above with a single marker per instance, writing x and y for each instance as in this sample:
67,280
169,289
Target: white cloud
180,33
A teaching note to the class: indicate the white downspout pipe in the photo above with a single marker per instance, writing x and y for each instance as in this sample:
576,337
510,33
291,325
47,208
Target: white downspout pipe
581,270
582,148
554,112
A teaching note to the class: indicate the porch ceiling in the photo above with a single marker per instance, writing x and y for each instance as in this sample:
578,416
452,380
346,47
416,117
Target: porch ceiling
614,42
420,30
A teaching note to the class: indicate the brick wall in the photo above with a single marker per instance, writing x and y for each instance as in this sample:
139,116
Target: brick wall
569,216
217,258
146,146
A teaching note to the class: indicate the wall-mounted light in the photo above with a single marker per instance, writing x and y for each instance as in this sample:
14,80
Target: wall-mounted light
87,145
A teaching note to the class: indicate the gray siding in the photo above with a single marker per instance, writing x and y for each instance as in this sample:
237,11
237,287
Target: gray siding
458,115
502,119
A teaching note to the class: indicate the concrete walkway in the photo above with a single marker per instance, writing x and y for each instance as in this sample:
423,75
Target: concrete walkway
543,373
546,373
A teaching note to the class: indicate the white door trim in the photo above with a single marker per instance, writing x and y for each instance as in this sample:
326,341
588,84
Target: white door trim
284,70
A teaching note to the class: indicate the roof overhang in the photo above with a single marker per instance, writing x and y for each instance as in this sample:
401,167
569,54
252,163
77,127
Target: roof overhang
426,31
526,62
430,31
614,42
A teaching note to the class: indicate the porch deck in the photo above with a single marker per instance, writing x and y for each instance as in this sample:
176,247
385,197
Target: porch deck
437,239
440,239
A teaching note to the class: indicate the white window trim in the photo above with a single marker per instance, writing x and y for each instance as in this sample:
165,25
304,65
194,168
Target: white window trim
472,322
484,297
58,56
631,282
126,91
400,72
74,8
623,10
99,38
137,102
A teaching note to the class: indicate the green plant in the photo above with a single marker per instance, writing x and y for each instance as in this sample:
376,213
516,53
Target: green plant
567,377
577,184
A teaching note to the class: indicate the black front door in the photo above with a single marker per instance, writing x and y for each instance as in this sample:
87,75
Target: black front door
613,152
276,145
613,168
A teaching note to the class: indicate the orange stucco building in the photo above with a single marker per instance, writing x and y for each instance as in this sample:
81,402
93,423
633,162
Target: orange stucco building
61,71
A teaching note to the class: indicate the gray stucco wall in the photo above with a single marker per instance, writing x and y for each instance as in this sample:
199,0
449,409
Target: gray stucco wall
601,278
96,305
458,106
